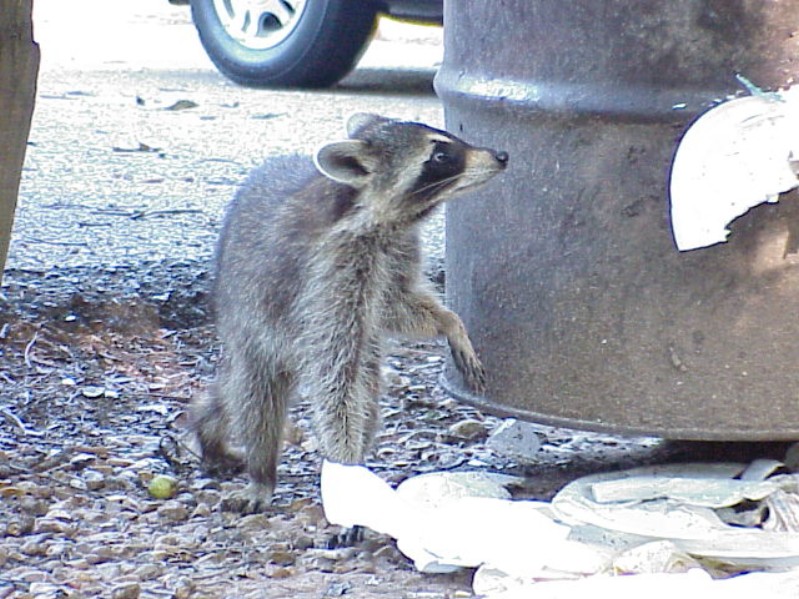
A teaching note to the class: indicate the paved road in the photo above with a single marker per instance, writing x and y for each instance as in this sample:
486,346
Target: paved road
113,176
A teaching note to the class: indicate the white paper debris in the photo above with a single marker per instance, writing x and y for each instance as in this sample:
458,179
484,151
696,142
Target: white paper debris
659,524
736,156
700,492
437,488
695,583
461,531
685,519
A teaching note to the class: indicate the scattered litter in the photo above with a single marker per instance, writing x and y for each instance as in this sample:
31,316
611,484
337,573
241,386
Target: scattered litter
738,155
662,524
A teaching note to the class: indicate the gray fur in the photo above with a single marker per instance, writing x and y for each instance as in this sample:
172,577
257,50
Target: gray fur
312,271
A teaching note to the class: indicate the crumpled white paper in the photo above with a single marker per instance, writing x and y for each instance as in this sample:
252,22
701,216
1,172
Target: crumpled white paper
653,523
435,534
739,154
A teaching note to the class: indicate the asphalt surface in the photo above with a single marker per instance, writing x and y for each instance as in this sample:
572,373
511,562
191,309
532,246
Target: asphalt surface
137,142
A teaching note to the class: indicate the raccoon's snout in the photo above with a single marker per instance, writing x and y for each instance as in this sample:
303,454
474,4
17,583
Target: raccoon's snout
502,158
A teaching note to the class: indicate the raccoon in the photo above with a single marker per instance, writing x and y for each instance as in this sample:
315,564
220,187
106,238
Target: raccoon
313,268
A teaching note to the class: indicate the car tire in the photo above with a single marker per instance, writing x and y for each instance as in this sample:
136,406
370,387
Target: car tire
285,43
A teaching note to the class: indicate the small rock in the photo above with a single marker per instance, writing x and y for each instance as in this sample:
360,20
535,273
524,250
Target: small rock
182,105
302,542
253,522
516,439
281,573
92,392
294,435
201,484
19,526
393,378
149,572
201,511
173,511
335,555
389,553
320,563
34,506
210,497
187,499
183,588
338,589
58,549
130,590
82,460
55,525
34,548
78,484
94,480
282,558
468,429
311,516
45,589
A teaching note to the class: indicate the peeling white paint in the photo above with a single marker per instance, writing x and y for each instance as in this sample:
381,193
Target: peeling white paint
736,156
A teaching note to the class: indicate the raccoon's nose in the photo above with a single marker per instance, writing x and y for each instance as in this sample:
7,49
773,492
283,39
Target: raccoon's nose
502,157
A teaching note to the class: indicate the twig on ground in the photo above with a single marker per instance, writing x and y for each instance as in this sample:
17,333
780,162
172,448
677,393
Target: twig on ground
16,421
29,349
138,215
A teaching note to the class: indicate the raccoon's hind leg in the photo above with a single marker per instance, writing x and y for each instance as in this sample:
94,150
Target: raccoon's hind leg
210,424
260,396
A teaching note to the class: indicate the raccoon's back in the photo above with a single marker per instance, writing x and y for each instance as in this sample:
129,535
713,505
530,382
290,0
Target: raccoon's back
268,234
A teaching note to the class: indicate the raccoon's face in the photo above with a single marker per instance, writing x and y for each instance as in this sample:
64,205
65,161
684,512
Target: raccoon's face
403,170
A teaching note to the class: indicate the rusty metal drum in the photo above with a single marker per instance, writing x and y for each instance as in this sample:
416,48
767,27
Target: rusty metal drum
564,269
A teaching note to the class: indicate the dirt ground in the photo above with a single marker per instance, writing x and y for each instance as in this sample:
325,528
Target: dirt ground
97,369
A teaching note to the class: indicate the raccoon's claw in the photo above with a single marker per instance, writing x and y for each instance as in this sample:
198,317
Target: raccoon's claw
252,499
346,538
469,365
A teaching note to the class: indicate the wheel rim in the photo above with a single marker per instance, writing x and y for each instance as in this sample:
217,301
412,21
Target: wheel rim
259,24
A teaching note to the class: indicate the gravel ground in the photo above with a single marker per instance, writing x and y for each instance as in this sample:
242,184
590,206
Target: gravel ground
105,336
98,366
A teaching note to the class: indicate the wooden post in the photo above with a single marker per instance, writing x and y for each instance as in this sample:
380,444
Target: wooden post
19,67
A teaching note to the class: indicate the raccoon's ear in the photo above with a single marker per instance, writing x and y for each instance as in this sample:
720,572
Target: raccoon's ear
360,120
344,161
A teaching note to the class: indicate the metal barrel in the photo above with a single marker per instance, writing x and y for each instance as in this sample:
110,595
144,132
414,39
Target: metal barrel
564,268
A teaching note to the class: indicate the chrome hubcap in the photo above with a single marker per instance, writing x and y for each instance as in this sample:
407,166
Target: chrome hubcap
259,24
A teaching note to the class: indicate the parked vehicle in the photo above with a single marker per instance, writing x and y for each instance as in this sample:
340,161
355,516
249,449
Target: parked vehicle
295,43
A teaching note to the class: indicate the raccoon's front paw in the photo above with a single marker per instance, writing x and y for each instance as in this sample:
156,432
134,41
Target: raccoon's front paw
252,499
474,375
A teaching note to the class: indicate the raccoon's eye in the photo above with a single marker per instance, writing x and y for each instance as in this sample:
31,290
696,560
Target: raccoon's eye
441,157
